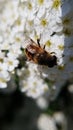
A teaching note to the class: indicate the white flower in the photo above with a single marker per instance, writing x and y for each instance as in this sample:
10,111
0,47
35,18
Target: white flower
44,4
32,84
19,24
53,24
1,38
3,67
11,63
46,122
42,22
4,75
16,39
60,119
3,82
10,13
14,51
42,102
37,89
28,9
2,55
5,45
70,88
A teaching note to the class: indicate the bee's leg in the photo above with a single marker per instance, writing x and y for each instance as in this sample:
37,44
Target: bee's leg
44,47
52,53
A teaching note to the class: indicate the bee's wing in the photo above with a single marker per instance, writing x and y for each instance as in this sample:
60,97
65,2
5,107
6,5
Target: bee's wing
32,49
28,41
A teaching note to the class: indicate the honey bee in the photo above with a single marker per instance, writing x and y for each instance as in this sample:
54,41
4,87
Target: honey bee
34,52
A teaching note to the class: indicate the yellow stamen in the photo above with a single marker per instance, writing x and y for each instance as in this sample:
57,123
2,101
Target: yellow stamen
67,31
34,83
1,60
66,21
61,47
2,80
40,2
48,43
71,58
43,22
18,22
30,22
17,39
61,67
56,4
29,5
10,63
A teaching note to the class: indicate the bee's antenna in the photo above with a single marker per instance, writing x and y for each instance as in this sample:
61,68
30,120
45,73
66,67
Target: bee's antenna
38,41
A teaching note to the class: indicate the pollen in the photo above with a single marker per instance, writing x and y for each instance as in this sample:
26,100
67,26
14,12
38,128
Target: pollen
48,43
67,31
10,63
56,4
18,22
43,22
2,80
30,22
17,39
1,60
66,21
33,90
71,58
34,83
40,2
61,67
29,6
61,47
0,69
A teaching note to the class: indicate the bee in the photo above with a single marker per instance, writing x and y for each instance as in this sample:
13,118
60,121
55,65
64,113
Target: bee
34,52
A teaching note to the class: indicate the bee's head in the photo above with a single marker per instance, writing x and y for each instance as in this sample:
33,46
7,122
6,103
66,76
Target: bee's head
53,61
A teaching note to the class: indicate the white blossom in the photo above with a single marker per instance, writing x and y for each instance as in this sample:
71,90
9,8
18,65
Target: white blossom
30,82
4,75
11,62
46,122
52,22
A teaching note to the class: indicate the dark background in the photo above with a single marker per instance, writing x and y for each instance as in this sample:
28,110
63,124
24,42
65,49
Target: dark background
18,112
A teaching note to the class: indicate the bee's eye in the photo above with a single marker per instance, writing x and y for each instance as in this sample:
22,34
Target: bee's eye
53,61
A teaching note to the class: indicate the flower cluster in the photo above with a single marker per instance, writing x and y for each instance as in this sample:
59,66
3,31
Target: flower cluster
25,19
46,122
